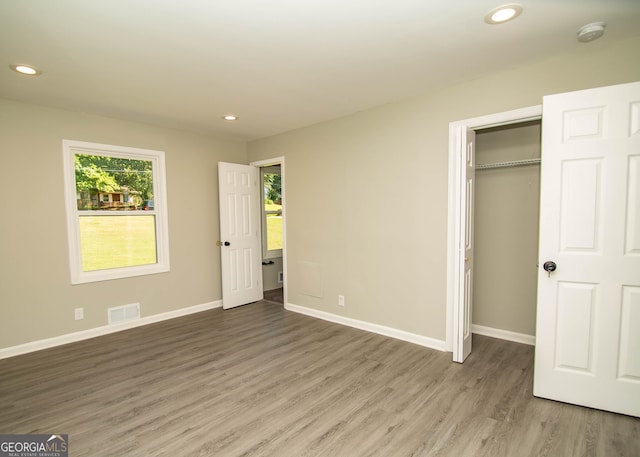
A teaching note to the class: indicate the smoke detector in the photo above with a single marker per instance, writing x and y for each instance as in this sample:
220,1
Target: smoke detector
591,32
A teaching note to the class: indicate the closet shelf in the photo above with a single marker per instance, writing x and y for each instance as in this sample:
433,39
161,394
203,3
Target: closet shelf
513,163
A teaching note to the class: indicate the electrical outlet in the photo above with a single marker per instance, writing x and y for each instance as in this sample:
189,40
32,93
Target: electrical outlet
340,300
79,313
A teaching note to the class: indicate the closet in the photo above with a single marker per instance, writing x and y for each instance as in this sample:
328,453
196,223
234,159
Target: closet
506,229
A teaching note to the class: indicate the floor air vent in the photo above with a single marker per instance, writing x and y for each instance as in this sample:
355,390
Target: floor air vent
124,313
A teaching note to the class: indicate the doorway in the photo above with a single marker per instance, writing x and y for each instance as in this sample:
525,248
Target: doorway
461,155
506,228
272,215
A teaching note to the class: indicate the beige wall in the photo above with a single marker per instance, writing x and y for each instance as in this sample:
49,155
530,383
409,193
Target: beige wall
36,297
366,203
507,204
367,193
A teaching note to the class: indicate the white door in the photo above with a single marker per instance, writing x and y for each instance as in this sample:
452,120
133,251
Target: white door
240,234
462,341
588,318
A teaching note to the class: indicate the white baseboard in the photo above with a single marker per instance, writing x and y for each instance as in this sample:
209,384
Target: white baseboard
431,343
104,330
504,334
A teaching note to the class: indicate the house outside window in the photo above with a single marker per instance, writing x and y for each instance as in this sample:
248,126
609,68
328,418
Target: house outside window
112,232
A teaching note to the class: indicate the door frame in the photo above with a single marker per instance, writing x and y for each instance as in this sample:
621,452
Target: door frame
267,163
456,200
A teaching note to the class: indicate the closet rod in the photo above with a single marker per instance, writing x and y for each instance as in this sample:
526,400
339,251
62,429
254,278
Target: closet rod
513,163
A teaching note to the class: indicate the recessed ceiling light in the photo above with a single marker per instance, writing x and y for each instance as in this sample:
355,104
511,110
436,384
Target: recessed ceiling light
25,69
230,117
503,13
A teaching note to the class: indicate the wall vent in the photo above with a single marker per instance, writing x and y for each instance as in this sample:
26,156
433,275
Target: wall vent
124,313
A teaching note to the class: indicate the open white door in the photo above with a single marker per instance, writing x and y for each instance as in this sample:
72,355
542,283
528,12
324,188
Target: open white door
588,317
462,341
240,235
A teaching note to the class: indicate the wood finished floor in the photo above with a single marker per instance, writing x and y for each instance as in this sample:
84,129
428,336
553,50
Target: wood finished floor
275,295
261,381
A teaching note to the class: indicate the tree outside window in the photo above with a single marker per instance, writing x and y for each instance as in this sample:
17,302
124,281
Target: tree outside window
116,226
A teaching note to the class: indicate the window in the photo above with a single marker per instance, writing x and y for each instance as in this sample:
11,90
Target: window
271,212
113,231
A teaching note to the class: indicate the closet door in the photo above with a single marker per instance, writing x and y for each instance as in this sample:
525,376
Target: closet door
462,311
588,314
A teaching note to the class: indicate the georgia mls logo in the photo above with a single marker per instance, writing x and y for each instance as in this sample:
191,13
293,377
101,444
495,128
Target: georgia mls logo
34,446
60,438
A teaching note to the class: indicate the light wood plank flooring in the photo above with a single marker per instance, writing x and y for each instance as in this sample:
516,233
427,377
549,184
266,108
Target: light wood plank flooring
261,381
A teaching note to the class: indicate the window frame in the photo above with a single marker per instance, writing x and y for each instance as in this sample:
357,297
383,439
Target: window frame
72,147
266,253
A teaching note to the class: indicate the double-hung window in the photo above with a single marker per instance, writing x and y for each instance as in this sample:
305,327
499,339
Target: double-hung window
116,211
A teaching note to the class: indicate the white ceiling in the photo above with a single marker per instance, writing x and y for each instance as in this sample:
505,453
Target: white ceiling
278,64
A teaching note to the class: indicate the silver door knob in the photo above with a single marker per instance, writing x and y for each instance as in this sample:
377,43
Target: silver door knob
549,266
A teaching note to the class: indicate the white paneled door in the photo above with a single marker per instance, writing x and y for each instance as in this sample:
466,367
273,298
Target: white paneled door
463,317
240,234
588,317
